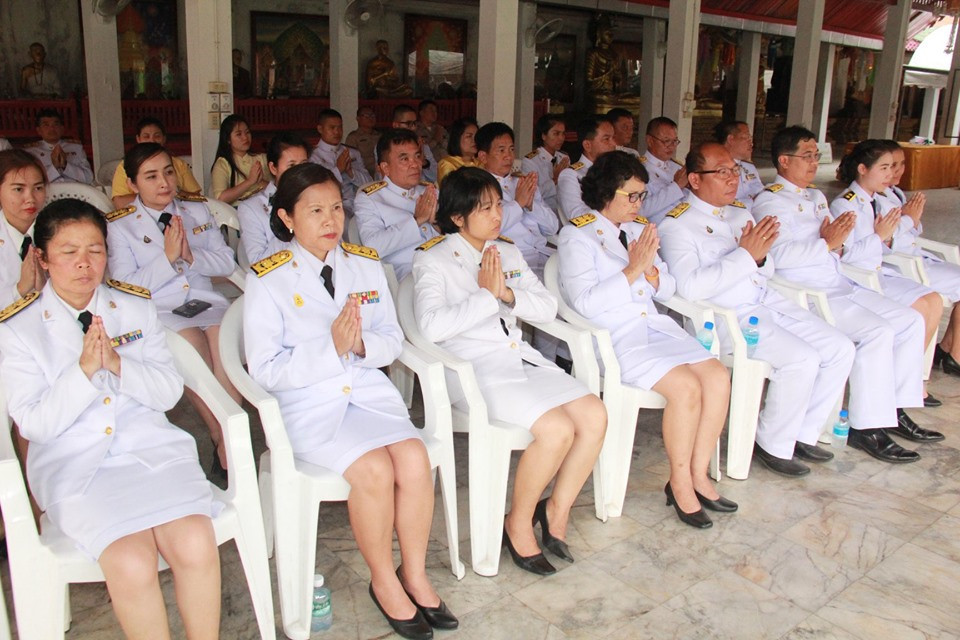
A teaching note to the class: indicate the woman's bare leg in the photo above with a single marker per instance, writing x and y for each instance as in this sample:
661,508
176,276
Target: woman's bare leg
130,568
189,546
681,423
195,336
714,402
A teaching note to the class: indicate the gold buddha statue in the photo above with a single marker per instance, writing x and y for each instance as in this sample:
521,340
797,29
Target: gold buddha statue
382,78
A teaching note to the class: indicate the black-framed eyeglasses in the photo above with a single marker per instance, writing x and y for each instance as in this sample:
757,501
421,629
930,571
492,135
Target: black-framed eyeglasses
725,173
809,157
633,196
408,123
672,142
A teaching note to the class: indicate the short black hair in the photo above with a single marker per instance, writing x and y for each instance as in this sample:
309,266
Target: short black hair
138,154
283,141
607,174
392,138
426,103
788,140
456,132
48,113
293,183
61,212
401,109
657,122
727,128
490,132
616,113
866,153
460,195
150,121
587,128
543,126
326,114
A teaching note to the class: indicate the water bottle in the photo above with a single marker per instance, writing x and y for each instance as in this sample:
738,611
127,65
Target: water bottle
322,616
841,429
751,335
705,335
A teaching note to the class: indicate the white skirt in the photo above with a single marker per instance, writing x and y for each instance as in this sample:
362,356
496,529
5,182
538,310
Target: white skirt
944,278
523,403
208,318
901,289
644,365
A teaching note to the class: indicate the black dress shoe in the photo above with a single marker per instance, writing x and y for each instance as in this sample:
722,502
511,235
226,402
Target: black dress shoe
946,361
930,401
811,452
907,428
878,444
537,564
556,546
721,504
698,519
438,617
790,468
416,628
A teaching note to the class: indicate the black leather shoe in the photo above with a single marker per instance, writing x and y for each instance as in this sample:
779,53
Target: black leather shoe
556,546
537,564
946,361
564,363
930,401
878,444
416,628
907,428
698,519
811,452
721,504
218,475
438,617
790,468
938,354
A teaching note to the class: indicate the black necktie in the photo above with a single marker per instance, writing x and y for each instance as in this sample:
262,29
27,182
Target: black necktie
327,274
876,208
623,239
164,221
24,247
553,160
85,318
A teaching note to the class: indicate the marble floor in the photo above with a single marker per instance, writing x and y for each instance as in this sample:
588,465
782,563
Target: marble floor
859,549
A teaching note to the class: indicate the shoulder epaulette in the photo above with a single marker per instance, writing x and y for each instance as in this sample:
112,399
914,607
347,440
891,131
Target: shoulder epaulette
738,204
132,289
19,305
505,239
531,155
678,210
849,195
811,186
119,213
773,188
576,166
31,145
583,220
427,183
360,250
373,187
199,197
432,242
268,264
641,220
882,194
643,159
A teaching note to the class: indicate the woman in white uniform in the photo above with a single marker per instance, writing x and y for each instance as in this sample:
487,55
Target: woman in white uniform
319,323
23,188
173,247
79,355
472,288
610,273
868,169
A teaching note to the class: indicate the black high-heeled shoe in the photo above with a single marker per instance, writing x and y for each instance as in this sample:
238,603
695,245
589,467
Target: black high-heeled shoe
946,361
537,564
721,504
438,617
556,546
416,628
698,519
938,354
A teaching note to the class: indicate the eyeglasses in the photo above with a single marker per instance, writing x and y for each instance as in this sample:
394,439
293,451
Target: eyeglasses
725,173
633,197
367,115
409,124
807,157
669,142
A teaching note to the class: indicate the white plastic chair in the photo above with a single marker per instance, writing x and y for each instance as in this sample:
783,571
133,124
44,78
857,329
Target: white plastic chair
227,219
43,564
80,191
492,441
291,490
106,171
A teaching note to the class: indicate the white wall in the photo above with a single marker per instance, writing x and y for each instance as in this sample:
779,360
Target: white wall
55,24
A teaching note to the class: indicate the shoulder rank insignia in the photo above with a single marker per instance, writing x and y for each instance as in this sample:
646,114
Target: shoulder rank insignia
427,183
678,210
738,204
119,213
773,188
132,289
431,243
640,219
583,220
643,159
811,186
360,250
849,195
576,166
268,264
194,197
531,155
373,187
505,239
19,305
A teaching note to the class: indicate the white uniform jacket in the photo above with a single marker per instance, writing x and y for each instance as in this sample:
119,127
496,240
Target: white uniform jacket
429,171
863,247
541,161
569,196
592,261
326,155
384,214
256,237
290,352
905,237
527,228
662,192
750,183
77,168
10,263
454,312
72,421
136,253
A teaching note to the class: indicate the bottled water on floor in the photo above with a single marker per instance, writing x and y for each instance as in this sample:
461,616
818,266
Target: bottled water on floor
322,616
841,429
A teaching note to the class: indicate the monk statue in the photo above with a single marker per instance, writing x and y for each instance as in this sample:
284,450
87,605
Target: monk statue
603,68
38,79
382,78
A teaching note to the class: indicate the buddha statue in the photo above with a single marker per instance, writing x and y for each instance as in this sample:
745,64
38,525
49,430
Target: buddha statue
605,82
382,78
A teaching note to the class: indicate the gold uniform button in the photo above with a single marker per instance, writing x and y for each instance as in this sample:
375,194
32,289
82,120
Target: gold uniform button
643,314
346,388
186,286
640,292
108,430
106,401
513,345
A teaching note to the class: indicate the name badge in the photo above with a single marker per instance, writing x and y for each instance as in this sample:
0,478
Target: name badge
125,338
511,274
202,228
366,297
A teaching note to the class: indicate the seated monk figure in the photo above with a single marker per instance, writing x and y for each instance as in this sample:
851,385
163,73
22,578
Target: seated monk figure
382,79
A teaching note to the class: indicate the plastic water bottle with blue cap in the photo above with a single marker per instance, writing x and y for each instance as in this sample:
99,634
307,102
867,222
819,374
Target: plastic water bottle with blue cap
751,335
705,335
841,429
322,616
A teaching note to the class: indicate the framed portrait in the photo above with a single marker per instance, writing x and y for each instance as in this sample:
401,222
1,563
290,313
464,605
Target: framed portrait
434,53
147,47
291,54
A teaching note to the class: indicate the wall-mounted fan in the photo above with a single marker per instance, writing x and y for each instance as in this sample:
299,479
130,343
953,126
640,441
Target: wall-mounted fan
109,8
360,14
542,31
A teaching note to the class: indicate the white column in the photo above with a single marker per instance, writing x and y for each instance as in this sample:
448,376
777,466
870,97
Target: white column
497,61
950,123
821,107
748,70
651,72
209,59
803,74
344,64
526,68
886,89
681,68
103,87
928,118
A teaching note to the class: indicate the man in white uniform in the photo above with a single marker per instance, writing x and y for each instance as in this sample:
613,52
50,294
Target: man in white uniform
736,137
63,160
596,136
623,126
717,255
405,117
887,373
397,214
344,162
547,160
667,178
